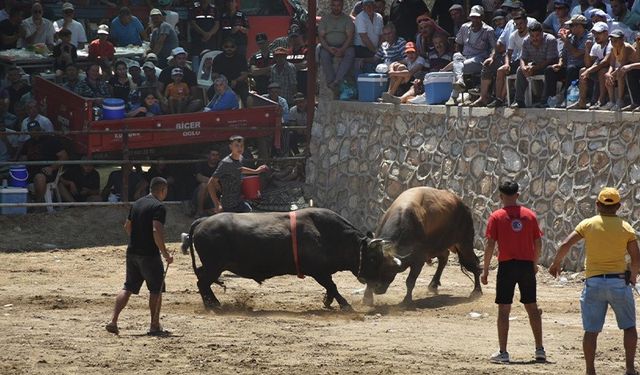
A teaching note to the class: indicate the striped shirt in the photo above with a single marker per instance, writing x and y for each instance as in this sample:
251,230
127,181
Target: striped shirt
548,50
393,53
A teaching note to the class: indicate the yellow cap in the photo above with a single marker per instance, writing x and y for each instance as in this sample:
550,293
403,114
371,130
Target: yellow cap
609,196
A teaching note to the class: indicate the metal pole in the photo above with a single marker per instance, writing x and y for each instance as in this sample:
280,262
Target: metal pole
126,166
312,71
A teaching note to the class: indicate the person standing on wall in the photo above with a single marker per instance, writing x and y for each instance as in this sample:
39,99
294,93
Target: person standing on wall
145,227
608,239
515,229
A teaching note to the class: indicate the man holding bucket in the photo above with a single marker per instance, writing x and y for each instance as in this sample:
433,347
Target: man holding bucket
227,179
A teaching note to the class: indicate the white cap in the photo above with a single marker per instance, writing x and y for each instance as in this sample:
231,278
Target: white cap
599,27
149,65
176,71
103,29
67,6
155,12
177,51
476,11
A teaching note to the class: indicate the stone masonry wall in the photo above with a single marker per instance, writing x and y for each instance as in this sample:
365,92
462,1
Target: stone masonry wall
363,155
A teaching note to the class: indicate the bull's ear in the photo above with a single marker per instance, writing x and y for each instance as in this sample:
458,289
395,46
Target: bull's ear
370,234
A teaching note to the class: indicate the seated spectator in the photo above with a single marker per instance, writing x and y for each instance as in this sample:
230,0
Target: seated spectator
335,32
163,38
78,35
297,117
441,13
34,117
80,183
632,74
37,29
135,73
539,50
260,64
188,77
64,53
457,15
120,85
274,95
392,47
368,26
7,149
298,55
177,92
126,29
101,50
476,41
153,58
42,147
285,74
162,169
113,190
150,106
439,57
380,7
74,84
599,5
571,59
7,120
204,171
235,26
555,21
596,66
17,87
10,30
99,88
580,8
427,29
499,21
622,53
622,14
514,9
223,96
233,66
510,63
403,72
152,85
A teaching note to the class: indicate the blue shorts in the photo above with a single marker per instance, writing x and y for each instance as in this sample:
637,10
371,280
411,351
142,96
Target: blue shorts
598,294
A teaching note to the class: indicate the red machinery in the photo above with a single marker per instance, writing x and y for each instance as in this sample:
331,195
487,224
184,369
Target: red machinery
73,115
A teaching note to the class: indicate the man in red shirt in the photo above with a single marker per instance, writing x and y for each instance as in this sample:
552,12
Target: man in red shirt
101,50
515,229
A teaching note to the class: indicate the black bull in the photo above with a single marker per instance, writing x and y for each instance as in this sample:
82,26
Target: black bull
258,246
423,223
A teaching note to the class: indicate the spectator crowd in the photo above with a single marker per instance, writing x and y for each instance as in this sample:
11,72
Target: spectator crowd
166,79
583,53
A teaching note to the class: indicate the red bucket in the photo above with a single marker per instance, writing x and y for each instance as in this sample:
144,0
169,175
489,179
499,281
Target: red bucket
251,187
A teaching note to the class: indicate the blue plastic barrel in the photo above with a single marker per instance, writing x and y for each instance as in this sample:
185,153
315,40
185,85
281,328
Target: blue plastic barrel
113,109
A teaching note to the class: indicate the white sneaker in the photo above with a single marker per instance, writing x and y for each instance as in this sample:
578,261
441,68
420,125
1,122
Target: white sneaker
607,106
420,99
541,355
500,357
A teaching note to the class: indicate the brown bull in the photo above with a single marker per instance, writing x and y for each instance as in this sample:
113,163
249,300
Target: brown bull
421,224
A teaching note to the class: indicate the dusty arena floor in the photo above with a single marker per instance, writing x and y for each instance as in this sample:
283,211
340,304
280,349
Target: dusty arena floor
54,304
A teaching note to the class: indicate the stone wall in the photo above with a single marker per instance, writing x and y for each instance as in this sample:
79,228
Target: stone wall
363,155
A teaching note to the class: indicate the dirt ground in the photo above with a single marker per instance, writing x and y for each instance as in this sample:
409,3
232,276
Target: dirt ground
54,303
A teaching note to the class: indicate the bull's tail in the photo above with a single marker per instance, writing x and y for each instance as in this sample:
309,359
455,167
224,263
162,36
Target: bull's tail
187,242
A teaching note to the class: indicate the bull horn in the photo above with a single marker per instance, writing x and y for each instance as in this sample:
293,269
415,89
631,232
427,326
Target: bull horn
397,261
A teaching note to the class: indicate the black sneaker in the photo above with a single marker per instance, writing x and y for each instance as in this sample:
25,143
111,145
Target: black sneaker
496,103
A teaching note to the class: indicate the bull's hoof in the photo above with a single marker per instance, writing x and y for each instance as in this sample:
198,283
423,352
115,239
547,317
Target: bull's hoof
327,301
407,302
211,303
346,308
367,300
476,293
433,288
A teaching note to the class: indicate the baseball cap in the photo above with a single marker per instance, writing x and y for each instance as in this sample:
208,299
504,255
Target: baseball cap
176,72
33,126
577,19
134,64
280,51
103,29
410,47
512,4
609,196
455,6
155,12
67,6
599,27
151,56
177,51
562,3
596,12
149,65
476,11
236,138
617,33
261,37
499,14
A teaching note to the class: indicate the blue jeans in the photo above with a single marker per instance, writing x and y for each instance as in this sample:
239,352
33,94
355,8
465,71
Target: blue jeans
598,294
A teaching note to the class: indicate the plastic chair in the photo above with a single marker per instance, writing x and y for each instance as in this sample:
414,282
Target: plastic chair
205,83
51,189
528,94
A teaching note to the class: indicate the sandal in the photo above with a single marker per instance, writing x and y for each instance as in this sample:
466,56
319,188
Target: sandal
112,328
160,332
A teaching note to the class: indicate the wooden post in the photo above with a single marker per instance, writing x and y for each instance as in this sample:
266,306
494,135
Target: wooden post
312,71
125,165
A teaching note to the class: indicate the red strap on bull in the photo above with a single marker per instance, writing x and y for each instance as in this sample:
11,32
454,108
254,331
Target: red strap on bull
294,243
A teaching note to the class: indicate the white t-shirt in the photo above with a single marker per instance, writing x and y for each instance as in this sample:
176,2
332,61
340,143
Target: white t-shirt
172,18
44,122
45,35
515,44
77,31
372,29
509,28
599,52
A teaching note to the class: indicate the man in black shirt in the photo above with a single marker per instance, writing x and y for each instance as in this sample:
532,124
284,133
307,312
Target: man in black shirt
204,171
403,15
260,64
80,184
228,179
233,66
145,227
10,30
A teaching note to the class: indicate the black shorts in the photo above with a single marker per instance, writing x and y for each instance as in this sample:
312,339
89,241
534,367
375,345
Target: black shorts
514,272
147,269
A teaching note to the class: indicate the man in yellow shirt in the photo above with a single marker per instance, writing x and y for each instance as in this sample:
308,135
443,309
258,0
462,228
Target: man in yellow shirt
608,239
